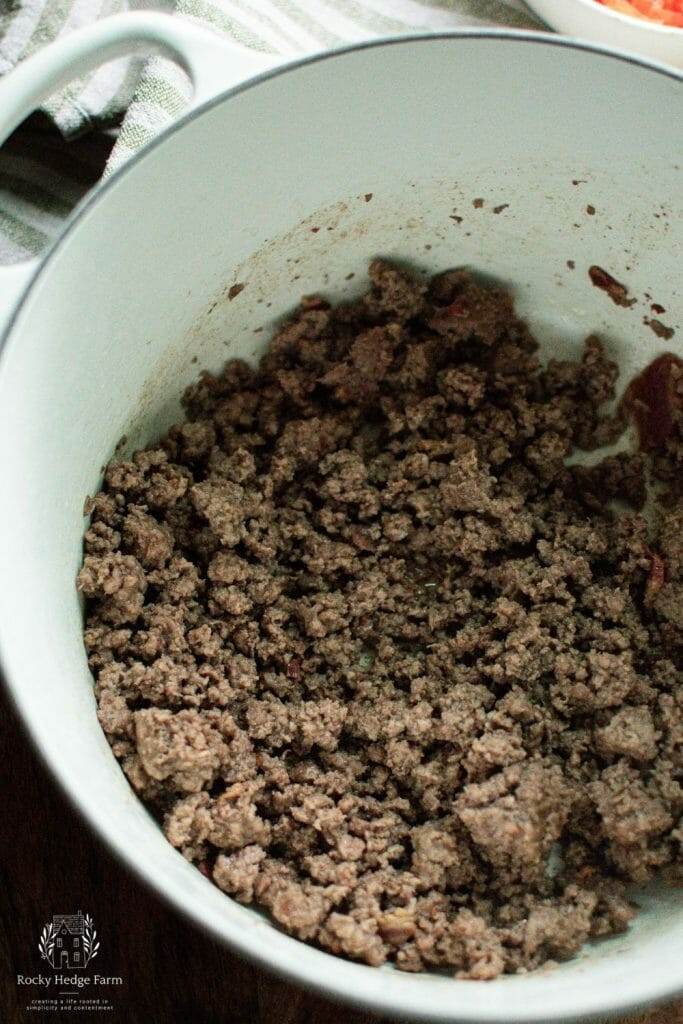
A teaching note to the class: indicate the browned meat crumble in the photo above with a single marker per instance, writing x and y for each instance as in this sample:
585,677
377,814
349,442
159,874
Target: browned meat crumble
378,660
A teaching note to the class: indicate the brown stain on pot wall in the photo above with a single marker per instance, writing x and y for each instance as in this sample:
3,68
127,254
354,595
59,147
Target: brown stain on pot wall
658,328
617,291
234,291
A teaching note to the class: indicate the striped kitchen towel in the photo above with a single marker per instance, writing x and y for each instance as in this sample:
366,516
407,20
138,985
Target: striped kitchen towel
41,180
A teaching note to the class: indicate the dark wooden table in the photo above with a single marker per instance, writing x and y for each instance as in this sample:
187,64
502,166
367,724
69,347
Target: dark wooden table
51,863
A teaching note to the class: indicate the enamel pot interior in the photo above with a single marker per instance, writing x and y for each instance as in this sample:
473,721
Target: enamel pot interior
288,186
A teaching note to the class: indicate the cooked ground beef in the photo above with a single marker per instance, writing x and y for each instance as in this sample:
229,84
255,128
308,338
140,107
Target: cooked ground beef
377,658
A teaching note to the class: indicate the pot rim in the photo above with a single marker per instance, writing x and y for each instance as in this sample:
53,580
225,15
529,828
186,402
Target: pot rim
635,993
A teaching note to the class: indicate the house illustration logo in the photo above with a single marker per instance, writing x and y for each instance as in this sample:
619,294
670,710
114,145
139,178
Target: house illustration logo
69,941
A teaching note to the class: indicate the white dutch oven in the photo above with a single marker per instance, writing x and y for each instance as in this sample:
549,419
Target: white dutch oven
269,185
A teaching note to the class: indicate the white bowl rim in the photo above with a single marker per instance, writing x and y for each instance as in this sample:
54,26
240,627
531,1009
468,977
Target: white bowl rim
636,992
646,24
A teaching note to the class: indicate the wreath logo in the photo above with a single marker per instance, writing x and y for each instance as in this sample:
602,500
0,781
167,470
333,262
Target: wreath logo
69,940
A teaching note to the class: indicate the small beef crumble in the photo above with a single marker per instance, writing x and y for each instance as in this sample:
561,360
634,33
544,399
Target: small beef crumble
377,658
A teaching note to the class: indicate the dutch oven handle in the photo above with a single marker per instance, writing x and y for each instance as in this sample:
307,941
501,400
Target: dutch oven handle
213,64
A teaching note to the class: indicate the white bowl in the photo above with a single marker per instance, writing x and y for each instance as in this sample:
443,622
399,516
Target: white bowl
134,298
587,19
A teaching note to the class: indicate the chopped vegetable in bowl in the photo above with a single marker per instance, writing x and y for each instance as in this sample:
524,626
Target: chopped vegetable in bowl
667,12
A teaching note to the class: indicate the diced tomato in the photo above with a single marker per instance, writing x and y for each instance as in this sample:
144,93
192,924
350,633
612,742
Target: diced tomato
458,309
656,578
666,12
653,400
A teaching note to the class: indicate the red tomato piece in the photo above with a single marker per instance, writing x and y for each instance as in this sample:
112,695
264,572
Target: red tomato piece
666,12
